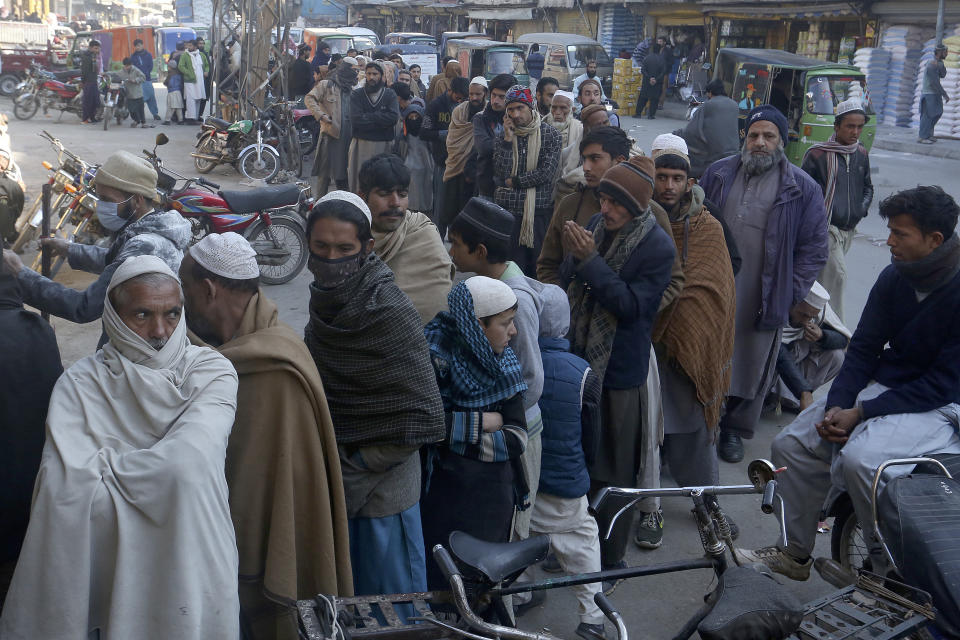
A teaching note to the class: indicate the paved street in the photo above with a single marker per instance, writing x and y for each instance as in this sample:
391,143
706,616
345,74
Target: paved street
653,607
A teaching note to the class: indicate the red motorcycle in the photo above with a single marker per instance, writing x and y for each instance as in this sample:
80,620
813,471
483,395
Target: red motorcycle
52,94
272,219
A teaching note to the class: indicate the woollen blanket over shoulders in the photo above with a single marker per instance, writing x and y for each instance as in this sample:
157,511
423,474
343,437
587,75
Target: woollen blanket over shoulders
367,340
283,470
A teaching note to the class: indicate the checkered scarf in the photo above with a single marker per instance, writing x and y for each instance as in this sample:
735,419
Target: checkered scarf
469,373
366,340
594,327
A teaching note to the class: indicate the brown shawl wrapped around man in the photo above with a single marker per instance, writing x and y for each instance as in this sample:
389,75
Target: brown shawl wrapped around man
697,328
283,468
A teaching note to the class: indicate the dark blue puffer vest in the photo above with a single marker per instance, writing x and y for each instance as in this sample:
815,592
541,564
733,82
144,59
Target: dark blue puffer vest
563,468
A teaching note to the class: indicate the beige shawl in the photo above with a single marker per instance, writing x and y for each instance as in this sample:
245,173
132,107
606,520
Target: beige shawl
283,468
421,266
532,133
130,529
459,140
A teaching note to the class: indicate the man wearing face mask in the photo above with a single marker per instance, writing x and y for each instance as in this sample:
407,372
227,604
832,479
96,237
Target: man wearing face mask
367,340
374,112
414,152
126,188
407,241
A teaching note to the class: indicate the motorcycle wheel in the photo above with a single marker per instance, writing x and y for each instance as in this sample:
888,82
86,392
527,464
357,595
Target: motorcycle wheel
847,543
8,84
266,168
205,166
290,235
26,108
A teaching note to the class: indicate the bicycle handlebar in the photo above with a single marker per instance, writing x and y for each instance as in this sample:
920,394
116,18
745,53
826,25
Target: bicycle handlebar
612,614
769,491
447,566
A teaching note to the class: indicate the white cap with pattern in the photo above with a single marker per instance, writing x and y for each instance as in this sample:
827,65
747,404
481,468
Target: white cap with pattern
228,255
490,296
352,198
853,104
670,143
480,80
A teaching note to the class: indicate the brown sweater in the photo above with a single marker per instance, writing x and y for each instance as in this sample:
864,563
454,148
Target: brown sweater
580,206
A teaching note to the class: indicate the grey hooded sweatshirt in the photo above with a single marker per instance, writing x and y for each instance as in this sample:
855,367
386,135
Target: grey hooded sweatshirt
530,297
164,234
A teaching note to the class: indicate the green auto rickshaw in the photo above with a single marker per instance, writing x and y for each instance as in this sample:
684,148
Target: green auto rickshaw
804,89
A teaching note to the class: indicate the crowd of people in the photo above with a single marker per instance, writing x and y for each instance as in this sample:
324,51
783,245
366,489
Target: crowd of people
512,308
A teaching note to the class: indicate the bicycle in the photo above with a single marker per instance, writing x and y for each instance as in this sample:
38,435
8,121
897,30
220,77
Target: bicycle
481,574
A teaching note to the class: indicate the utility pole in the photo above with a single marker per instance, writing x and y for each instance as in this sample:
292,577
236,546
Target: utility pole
253,24
940,23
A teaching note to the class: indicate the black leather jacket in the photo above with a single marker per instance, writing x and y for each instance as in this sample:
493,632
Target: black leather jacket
854,191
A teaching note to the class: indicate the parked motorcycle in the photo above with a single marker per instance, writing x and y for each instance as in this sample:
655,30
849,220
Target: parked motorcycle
915,518
272,219
114,99
52,94
240,144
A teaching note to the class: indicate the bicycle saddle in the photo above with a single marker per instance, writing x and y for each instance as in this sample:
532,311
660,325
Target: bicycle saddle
751,605
253,200
497,560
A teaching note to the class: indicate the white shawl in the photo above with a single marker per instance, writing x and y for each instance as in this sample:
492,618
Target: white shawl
130,529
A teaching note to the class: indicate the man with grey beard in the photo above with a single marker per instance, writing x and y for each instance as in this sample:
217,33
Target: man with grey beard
776,215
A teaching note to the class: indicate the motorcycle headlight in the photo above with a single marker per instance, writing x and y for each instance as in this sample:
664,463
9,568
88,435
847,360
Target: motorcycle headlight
88,201
60,179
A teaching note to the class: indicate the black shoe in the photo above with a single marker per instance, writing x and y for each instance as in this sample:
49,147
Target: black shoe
730,448
651,117
156,117
551,564
537,598
609,586
591,631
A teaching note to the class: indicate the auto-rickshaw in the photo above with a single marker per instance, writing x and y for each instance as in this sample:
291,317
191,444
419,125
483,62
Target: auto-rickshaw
339,41
421,54
804,89
488,58
409,37
165,42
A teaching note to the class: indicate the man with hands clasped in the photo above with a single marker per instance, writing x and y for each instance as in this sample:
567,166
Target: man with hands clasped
895,396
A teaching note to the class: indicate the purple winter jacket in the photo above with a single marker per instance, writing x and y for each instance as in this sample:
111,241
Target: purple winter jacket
795,242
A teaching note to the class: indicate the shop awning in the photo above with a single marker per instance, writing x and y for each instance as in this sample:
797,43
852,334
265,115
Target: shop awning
500,14
916,11
779,12
677,16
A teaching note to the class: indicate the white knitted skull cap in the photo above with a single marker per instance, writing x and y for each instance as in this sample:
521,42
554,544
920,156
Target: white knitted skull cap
490,296
228,255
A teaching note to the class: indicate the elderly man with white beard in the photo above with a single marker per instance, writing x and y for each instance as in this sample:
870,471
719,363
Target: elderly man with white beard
130,532
571,131
776,215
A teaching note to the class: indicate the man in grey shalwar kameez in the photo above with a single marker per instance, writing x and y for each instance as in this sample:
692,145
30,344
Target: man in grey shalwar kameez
775,213
329,102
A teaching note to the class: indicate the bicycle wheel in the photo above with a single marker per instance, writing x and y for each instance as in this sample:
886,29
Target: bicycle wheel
294,153
847,543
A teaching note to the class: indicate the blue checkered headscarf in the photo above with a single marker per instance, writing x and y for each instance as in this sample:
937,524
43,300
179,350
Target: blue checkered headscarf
470,375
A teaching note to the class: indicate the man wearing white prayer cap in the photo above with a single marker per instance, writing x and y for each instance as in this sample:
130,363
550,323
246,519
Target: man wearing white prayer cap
811,350
282,468
130,532
841,166
571,131
669,143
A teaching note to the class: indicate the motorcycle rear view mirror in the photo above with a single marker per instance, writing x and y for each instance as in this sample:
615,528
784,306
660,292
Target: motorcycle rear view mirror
162,139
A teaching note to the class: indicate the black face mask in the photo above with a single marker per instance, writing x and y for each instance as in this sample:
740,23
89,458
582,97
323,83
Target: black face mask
413,126
331,273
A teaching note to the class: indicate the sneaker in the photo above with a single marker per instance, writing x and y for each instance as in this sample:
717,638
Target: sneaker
592,631
609,586
551,564
650,532
778,561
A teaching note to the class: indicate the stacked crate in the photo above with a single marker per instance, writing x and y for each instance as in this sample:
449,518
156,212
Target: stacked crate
626,85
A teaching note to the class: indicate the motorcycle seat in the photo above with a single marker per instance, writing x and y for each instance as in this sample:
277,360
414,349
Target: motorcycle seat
253,200
919,518
217,123
498,560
